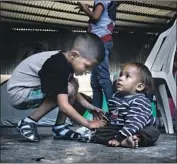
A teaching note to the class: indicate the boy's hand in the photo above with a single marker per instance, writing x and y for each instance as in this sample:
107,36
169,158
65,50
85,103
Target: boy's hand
81,6
97,124
96,110
97,113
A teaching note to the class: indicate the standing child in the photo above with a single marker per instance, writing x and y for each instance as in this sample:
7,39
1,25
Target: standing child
130,119
41,81
101,23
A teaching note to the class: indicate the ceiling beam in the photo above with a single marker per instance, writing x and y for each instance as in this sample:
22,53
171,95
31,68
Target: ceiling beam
140,22
72,12
41,15
76,13
136,3
68,2
125,11
143,14
36,24
42,7
140,29
44,24
8,25
144,4
75,20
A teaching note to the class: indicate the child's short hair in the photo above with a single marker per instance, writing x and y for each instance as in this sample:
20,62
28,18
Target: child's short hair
90,46
145,76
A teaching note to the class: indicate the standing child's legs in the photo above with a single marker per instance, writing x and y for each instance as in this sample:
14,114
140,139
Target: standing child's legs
100,78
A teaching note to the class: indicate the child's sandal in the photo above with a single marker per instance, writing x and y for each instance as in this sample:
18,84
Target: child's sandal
64,133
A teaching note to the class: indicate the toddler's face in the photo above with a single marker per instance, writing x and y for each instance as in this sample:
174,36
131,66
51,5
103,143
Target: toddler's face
128,80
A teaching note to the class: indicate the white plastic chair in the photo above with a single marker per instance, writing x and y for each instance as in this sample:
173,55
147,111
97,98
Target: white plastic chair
160,62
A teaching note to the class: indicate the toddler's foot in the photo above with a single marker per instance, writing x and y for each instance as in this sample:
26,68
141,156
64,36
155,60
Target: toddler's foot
130,142
113,143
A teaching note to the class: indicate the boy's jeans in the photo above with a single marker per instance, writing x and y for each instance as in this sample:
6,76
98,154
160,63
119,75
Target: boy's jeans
100,78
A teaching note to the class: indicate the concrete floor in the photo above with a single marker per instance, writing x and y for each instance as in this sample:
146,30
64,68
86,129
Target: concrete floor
15,149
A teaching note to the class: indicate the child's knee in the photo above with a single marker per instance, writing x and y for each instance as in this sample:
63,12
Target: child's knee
73,87
148,136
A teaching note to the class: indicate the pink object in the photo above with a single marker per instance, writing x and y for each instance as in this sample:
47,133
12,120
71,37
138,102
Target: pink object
172,108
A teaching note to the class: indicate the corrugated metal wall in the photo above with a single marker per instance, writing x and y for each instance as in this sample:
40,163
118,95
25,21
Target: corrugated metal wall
130,47
17,45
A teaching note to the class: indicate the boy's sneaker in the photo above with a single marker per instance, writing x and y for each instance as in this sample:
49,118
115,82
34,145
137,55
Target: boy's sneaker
64,133
28,130
86,134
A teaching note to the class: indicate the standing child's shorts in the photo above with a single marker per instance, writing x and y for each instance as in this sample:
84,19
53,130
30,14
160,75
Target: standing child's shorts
33,100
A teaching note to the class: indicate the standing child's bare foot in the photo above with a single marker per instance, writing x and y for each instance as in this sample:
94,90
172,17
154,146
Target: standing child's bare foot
113,143
131,142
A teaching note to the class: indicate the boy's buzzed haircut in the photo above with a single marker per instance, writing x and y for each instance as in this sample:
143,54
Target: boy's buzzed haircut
90,46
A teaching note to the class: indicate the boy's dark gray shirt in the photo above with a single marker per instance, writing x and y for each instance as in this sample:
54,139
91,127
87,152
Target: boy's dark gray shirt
55,74
25,76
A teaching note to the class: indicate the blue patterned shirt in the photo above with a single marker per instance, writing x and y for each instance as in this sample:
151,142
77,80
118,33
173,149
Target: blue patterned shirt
132,112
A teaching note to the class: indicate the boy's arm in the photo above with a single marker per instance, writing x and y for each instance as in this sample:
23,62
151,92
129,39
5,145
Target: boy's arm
86,104
96,15
136,119
65,107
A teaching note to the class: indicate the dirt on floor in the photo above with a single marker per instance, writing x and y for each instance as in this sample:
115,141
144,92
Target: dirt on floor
17,150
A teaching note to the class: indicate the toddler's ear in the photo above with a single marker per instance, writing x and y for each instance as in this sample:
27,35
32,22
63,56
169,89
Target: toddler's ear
140,87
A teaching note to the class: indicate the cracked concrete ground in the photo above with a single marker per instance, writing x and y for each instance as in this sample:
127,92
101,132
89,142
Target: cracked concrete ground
15,149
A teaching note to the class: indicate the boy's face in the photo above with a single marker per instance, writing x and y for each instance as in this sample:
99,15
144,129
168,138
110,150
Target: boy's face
82,65
129,80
